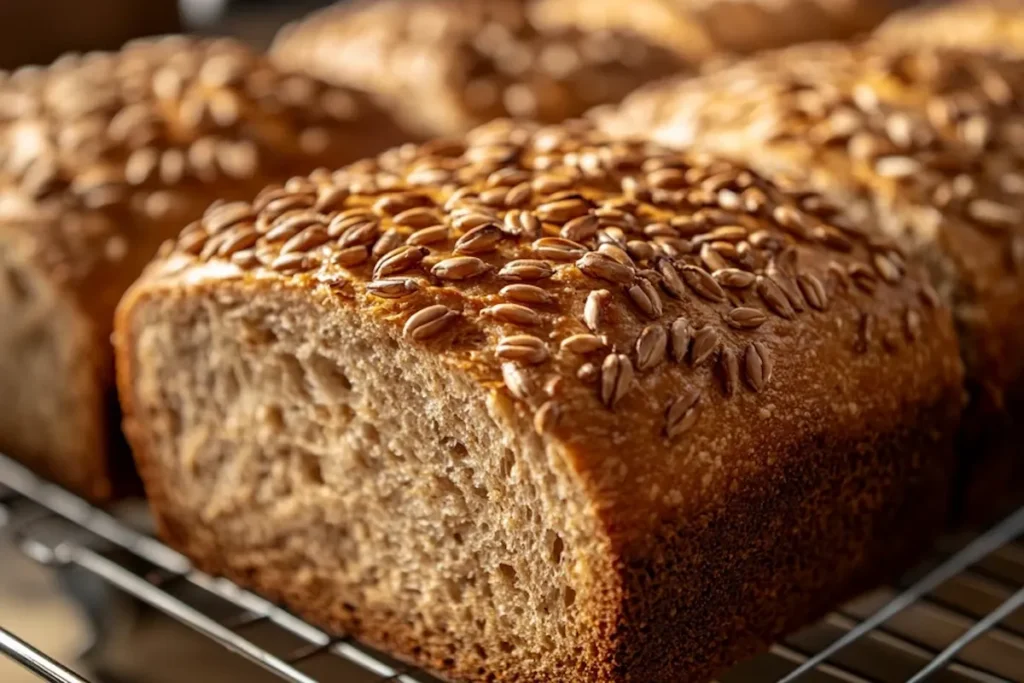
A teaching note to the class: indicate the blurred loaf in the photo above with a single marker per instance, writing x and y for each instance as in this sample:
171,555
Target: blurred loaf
103,156
444,66
534,405
927,143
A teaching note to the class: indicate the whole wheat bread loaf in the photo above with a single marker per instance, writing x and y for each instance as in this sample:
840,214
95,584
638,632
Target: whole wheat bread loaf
444,66
536,406
102,157
926,143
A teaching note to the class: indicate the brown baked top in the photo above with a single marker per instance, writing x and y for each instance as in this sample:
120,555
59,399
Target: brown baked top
926,141
996,25
696,28
615,290
445,66
96,146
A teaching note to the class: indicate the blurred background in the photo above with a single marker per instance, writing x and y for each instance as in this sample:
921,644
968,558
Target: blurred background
37,31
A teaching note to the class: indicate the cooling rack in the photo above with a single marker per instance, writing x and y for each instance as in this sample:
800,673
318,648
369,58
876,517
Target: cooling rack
957,619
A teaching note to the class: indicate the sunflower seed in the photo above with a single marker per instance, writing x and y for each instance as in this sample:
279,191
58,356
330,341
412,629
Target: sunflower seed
522,223
518,195
670,280
734,278
429,235
593,309
398,260
558,249
350,256
310,238
478,240
393,287
236,239
562,211
546,417
417,218
616,378
605,268
646,297
582,344
515,314
651,347
291,263
702,283
459,268
580,229
682,414
863,277
757,363
813,291
228,215
526,294
744,318
517,381
729,370
525,270
774,298
886,268
429,322
680,334
360,232
640,250
522,348
705,343
617,253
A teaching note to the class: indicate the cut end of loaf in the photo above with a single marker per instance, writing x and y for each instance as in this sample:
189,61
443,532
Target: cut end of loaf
374,489
53,413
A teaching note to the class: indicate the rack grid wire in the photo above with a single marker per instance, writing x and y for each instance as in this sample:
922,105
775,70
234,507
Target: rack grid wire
957,619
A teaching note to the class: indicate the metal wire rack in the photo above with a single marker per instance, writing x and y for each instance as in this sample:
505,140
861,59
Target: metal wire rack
958,619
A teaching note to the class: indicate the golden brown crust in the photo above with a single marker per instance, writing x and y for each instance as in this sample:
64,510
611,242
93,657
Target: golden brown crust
989,25
444,66
719,358
103,156
925,140
698,28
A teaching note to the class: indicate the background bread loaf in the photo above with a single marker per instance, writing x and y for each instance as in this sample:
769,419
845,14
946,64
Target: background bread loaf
444,66
539,406
697,28
104,156
924,142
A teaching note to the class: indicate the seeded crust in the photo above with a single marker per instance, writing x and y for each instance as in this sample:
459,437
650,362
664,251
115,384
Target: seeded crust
925,142
989,25
723,408
445,66
697,28
102,157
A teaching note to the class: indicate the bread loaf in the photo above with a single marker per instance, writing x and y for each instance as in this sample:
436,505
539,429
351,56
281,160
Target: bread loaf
988,25
444,66
102,157
925,142
534,406
697,28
